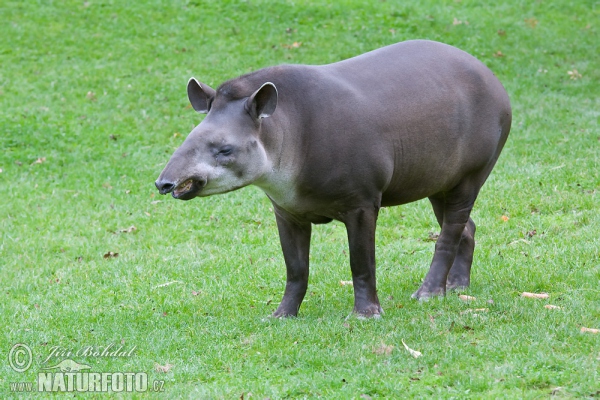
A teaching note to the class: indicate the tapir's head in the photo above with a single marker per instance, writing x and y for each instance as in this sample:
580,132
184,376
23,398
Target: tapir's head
224,152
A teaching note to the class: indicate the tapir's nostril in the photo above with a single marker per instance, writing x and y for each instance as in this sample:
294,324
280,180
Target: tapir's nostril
164,187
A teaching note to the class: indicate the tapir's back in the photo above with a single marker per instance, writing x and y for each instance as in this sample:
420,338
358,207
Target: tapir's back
404,101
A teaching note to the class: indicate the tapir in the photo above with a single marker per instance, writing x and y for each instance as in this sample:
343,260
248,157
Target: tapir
413,120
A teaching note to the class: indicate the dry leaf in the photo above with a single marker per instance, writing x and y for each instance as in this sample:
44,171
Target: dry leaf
464,297
474,310
535,295
531,22
590,330
111,254
498,54
574,74
383,349
163,368
414,353
91,96
39,160
459,22
129,230
552,307
294,45
166,284
504,218
346,283
433,237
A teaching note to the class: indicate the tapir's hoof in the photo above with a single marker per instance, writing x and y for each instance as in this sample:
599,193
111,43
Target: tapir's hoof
283,313
425,294
457,286
373,311
457,283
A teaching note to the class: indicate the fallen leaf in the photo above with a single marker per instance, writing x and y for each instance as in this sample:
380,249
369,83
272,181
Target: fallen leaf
91,96
383,349
501,32
555,391
498,54
294,45
474,310
504,218
166,284
535,295
532,233
111,254
574,74
531,22
129,230
346,283
39,160
414,353
552,307
464,297
590,330
432,237
163,368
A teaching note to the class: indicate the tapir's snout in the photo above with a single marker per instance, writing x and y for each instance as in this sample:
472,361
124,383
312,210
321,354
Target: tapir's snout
183,190
164,186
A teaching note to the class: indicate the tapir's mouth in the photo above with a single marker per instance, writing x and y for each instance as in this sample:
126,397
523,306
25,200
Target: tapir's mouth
188,189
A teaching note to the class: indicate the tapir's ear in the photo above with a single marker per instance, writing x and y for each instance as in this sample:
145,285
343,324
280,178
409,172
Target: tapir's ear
262,103
200,95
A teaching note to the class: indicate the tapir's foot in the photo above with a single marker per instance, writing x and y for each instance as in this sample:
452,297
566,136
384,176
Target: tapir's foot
283,314
458,284
287,309
368,311
459,277
424,293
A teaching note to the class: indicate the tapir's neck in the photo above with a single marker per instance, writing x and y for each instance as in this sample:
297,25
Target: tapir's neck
278,179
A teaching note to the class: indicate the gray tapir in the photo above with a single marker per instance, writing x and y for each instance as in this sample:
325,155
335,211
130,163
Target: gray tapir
338,142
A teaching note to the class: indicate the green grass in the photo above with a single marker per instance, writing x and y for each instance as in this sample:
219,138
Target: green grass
96,90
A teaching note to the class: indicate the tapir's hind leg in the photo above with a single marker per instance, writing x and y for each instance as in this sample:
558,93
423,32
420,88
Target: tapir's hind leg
454,209
460,273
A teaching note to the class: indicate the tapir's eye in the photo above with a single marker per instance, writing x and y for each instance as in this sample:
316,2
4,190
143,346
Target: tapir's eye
225,150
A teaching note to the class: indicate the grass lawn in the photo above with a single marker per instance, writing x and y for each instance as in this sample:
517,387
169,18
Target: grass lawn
93,103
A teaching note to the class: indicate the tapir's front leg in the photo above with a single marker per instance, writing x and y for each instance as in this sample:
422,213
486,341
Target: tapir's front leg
295,243
360,226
